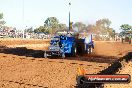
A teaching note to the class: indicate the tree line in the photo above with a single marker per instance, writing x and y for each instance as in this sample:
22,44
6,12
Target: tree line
126,27
2,22
52,24
101,26
126,30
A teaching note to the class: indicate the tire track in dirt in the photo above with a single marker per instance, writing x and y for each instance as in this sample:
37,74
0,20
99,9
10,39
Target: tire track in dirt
25,84
61,62
110,70
52,61
23,51
72,61
24,59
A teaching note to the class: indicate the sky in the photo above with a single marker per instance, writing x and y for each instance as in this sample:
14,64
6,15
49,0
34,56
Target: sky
33,13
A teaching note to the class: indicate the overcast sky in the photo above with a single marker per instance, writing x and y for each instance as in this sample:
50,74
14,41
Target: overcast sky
34,12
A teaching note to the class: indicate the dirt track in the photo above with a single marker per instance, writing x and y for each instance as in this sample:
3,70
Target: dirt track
116,49
127,69
28,72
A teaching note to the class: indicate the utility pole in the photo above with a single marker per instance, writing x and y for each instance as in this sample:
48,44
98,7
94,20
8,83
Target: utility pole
69,17
23,17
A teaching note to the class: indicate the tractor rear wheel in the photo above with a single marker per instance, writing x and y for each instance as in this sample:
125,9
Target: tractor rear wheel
90,50
73,51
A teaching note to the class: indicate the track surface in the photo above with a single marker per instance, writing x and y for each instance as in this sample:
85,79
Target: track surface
43,72
19,69
127,69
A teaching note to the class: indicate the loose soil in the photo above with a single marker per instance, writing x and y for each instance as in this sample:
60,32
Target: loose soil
26,71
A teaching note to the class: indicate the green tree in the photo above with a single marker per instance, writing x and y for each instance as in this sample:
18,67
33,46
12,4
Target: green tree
62,26
80,26
29,30
40,29
91,28
2,22
36,30
102,27
111,32
51,24
103,23
125,27
1,15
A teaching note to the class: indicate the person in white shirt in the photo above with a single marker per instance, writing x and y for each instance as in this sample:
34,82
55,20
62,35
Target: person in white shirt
88,43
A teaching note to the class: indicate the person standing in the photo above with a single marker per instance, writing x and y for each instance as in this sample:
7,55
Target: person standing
89,43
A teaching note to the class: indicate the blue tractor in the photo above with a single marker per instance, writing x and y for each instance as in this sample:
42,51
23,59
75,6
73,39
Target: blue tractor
68,44
65,45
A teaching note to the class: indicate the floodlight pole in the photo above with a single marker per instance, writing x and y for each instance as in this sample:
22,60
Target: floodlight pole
69,16
23,17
